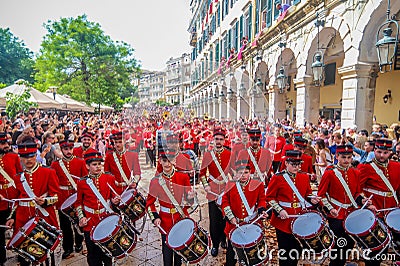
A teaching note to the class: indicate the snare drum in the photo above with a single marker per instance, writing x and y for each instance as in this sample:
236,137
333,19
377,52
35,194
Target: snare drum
35,240
114,236
313,232
133,205
367,230
189,240
392,220
250,245
68,208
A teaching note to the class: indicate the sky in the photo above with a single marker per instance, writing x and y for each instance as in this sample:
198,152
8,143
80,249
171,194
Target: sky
156,29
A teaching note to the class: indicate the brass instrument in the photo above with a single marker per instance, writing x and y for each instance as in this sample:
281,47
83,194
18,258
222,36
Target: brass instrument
181,114
206,117
166,115
192,113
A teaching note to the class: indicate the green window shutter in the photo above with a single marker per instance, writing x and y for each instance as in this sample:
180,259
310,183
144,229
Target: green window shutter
241,29
257,22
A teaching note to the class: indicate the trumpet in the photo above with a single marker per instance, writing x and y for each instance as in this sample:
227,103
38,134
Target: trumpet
166,115
181,114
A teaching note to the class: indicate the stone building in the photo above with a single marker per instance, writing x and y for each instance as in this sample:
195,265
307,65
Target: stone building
177,85
251,59
151,86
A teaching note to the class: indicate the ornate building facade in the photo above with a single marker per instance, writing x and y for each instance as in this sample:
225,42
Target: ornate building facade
254,58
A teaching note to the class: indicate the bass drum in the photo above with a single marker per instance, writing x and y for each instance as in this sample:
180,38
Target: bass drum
114,236
250,245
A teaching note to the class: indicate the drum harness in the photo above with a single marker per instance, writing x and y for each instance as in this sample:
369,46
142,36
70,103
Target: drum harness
96,192
304,204
250,211
30,193
346,189
253,160
67,174
221,172
7,177
385,180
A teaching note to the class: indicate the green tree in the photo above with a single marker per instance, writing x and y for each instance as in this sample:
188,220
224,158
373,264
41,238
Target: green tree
15,59
18,103
78,58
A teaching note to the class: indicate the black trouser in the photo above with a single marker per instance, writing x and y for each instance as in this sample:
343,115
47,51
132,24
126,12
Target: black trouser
141,143
230,255
95,255
275,166
170,258
23,262
68,234
196,149
3,219
217,224
372,261
288,243
152,156
339,256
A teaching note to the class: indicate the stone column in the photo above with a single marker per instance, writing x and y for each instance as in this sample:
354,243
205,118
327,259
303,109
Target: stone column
205,110
231,105
242,106
307,101
222,107
277,104
215,108
359,83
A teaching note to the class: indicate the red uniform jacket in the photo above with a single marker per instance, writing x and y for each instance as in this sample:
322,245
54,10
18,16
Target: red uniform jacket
287,147
129,161
87,198
182,163
279,191
76,167
330,187
275,146
254,193
179,185
237,147
11,164
208,164
306,166
369,179
43,181
79,152
263,158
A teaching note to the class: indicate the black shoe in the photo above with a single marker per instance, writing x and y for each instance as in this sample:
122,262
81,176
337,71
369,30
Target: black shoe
67,254
214,252
78,248
223,244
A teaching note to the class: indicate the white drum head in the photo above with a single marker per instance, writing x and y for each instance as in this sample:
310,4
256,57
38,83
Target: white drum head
359,221
180,233
69,201
307,224
105,227
19,234
393,219
126,196
249,234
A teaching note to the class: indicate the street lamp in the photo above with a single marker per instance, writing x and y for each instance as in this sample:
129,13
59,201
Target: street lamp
318,63
281,80
387,45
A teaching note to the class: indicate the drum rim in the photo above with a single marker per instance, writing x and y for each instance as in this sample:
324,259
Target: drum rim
129,250
391,227
62,207
27,232
190,239
108,237
364,232
314,234
248,244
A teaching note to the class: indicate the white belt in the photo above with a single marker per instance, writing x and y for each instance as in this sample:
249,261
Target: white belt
341,205
249,218
66,187
27,203
93,211
168,210
290,204
120,184
380,193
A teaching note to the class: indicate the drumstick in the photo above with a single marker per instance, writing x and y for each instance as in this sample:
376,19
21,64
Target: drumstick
366,202
260,216
159,226
387,209
8,200
115,192
237,225
21,199
5,226
294,215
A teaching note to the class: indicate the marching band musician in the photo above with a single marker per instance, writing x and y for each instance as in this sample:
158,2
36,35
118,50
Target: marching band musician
170,188
122,164
217,163
340,194
68,168
259,158
94,192
10,165
300,144
87,143
242,144
380,178
39,183
287,194
243,199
